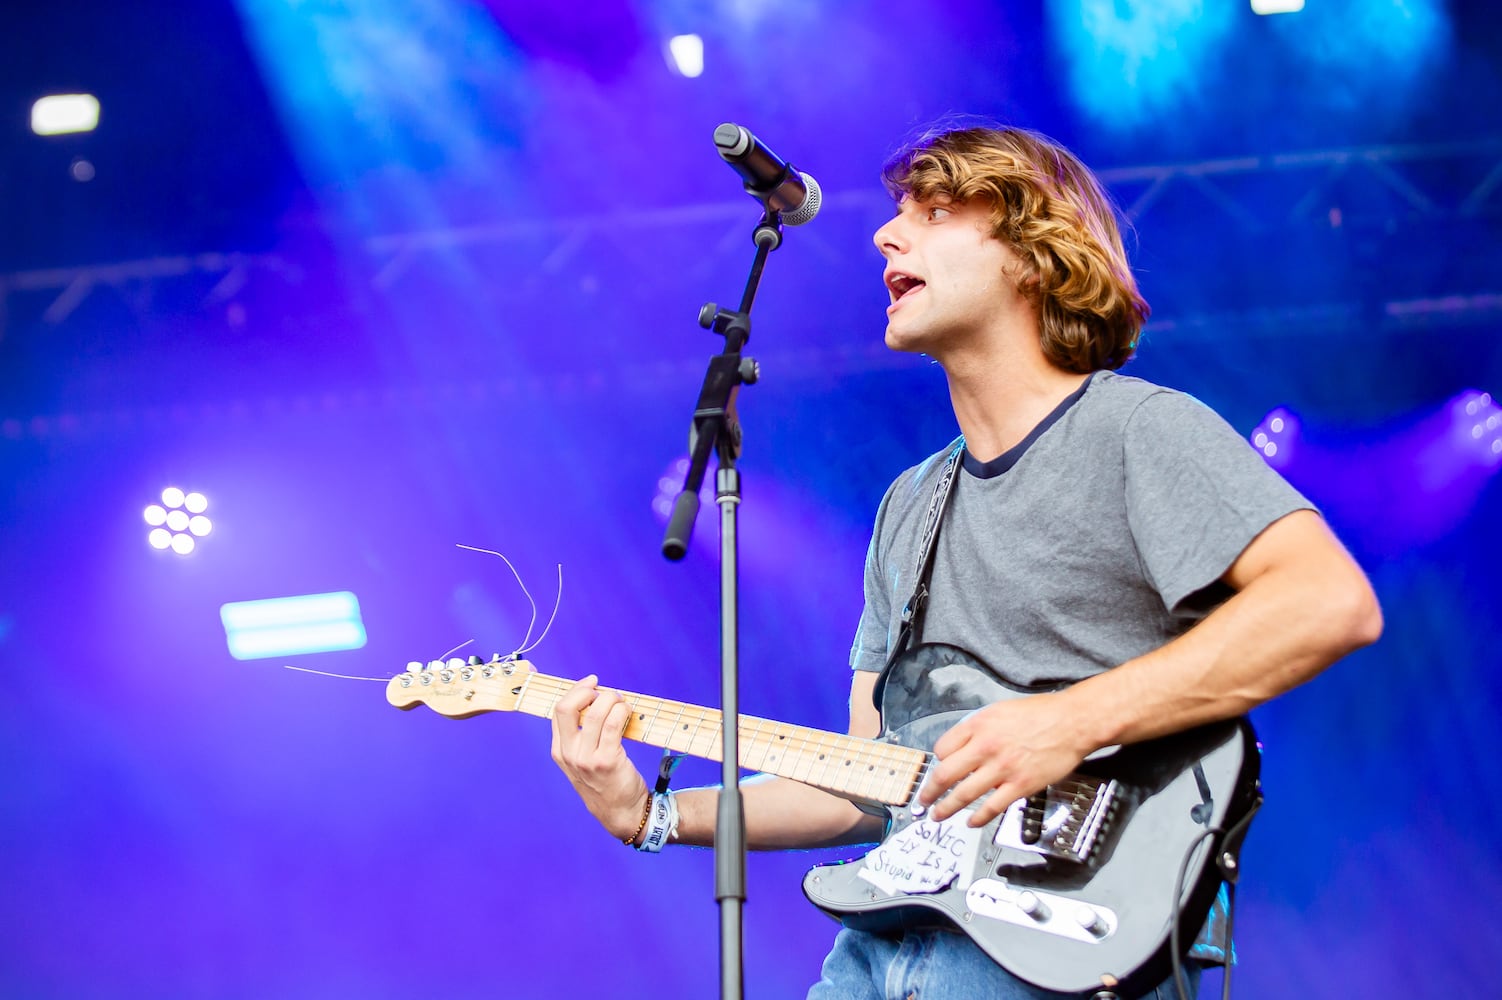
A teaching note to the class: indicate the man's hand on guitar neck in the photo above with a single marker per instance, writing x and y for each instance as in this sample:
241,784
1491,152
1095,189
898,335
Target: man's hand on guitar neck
587,727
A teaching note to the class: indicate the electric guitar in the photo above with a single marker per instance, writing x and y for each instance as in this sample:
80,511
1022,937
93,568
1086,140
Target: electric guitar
1071,890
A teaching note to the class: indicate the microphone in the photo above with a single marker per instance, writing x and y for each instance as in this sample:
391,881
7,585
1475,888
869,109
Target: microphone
768,176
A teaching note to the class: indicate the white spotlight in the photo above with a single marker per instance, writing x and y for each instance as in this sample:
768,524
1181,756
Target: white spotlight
178,521
686,54
1277,6
61,114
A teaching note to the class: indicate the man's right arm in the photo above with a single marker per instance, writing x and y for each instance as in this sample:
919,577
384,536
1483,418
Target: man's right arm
780,813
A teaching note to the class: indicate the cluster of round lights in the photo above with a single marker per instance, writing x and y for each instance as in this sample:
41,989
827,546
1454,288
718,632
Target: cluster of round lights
1264,441
1483,423
1276,436
178,521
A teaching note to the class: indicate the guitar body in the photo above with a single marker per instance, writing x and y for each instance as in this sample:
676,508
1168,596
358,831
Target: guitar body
1090,902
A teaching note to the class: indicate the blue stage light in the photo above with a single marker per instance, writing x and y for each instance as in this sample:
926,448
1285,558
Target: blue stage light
1370,54
1132,60
1277,6
287,626
377,95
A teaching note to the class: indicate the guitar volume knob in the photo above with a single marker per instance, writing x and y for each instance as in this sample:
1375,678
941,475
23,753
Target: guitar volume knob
1029,903
1090,921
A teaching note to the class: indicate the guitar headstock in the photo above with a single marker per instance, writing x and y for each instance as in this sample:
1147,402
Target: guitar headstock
461,688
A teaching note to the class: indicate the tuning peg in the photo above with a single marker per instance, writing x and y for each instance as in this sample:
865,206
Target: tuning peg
475,661
414,667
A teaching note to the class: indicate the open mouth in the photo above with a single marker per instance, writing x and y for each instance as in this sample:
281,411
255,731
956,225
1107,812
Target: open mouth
902,285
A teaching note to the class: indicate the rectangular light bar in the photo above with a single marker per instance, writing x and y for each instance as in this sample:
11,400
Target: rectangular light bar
286,626
61,114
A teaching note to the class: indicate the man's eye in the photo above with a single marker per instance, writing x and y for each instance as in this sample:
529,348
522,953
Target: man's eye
937,212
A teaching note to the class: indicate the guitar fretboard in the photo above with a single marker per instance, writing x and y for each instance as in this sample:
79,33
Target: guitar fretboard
853,768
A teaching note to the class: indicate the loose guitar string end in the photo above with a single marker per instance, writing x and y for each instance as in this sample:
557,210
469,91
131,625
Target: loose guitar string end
343,677
528,643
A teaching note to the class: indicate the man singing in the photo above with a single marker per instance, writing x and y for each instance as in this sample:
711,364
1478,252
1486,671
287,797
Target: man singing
1110,543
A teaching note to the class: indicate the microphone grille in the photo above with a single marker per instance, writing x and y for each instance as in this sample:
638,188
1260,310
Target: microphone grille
810,207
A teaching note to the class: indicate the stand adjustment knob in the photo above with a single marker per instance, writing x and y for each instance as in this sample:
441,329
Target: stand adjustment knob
750,370
707,314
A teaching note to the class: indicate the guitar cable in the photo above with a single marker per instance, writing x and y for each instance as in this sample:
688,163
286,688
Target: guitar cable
1233,838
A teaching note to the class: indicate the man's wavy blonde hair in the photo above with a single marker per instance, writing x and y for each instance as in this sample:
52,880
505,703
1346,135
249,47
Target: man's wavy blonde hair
1051,211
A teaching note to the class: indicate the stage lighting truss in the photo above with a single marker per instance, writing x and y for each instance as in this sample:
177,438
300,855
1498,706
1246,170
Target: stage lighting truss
178,522
1338,191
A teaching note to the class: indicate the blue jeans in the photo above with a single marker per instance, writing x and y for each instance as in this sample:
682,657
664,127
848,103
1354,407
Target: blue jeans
937,965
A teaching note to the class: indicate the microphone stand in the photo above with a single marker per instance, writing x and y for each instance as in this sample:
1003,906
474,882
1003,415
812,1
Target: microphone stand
715,428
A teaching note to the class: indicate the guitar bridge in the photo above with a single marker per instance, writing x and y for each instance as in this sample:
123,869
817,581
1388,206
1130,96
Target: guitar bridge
1076,815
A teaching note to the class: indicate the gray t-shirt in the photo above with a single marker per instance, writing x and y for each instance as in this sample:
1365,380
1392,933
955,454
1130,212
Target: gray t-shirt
1100,537
1104,537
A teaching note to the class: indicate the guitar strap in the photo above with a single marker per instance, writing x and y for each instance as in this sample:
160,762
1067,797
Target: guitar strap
912,615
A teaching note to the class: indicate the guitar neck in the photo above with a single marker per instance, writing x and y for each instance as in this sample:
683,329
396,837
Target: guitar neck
850,767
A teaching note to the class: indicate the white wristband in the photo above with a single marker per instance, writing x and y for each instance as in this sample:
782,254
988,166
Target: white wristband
662,823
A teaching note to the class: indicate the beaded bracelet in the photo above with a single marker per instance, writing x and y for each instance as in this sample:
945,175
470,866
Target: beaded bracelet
645,815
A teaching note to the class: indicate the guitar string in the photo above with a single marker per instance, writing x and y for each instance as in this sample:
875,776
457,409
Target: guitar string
557,603
762,733
519,582
456,649
343,677
891,757
804,738
848,749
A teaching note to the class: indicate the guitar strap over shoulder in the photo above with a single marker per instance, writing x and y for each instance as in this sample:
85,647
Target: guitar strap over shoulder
912,614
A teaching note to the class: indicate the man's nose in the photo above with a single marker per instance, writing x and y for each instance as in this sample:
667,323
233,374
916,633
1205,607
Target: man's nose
888,238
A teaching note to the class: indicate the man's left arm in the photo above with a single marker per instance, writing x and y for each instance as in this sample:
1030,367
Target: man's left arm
1300,604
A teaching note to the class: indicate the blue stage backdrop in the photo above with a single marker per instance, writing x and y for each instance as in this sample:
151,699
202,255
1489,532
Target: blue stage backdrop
382,280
